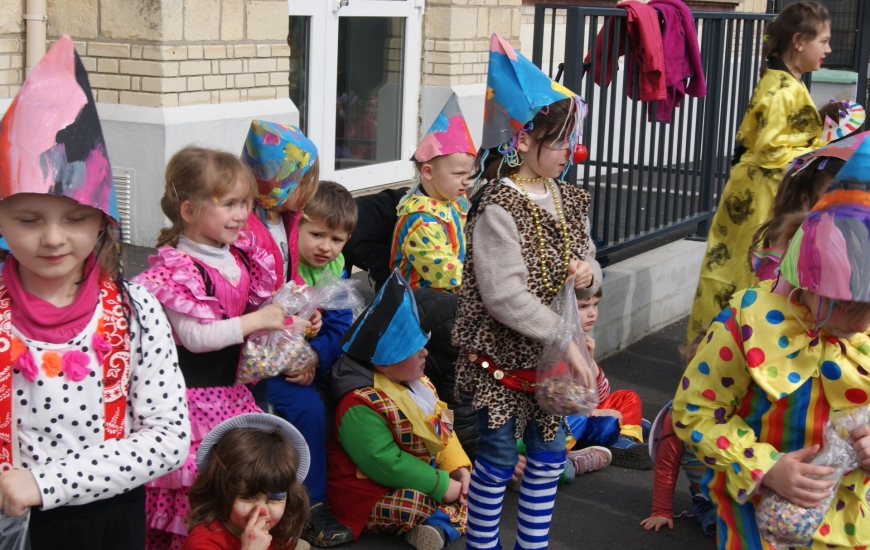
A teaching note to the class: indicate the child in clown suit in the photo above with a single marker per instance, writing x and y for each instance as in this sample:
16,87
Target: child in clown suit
394,466
428,245
775,363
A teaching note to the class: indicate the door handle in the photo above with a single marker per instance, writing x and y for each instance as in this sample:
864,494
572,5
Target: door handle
338,4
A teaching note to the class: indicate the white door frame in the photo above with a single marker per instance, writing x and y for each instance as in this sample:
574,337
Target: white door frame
322,85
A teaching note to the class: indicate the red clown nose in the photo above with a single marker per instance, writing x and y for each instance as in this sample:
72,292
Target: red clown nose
580,153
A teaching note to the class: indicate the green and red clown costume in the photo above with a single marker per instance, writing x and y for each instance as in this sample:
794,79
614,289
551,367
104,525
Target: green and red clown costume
390,461
767,375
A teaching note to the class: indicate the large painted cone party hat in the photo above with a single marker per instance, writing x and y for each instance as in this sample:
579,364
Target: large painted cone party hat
515,91
389,330
830,253
279,156
448,134
51,140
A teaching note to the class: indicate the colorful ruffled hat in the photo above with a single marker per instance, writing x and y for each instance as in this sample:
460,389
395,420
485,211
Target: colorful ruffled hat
448,134
830,253
388,331
278,156
516,90
51,140
841,149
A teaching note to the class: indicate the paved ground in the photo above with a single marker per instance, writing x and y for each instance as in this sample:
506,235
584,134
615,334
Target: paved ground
602,509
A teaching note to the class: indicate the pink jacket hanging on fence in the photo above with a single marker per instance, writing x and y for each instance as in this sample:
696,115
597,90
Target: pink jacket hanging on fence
683,71
646,44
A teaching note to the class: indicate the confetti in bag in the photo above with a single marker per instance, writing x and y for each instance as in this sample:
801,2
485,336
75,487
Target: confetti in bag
13,531
559,387
269,353
784,524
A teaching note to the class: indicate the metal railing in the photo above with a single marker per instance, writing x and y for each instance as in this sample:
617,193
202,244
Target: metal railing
650,178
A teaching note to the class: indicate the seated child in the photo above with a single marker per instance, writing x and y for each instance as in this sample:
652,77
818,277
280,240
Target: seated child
626,443
395,465
670,455
248,493
428,245
324,228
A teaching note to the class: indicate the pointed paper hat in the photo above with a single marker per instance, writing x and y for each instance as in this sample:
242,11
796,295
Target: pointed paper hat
389,330
830,253
841,149
50,138
448,134
849,120
278,156
515,91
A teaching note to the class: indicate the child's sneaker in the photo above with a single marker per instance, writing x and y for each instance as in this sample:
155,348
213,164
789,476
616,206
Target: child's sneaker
590,459
631,454
426,537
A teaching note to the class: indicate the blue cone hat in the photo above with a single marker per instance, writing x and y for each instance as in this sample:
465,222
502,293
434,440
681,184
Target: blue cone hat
389,330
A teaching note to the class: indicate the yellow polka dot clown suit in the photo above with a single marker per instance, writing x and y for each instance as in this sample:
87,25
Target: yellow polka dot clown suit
769,373
428,245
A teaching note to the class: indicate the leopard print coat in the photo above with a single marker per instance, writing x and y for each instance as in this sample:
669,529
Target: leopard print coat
477,332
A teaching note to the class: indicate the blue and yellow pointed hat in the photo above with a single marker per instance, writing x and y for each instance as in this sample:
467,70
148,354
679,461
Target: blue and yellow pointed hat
389,330
516,90
279,156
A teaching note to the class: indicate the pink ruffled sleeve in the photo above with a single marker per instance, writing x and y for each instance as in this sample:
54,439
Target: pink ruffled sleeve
175,281
261,269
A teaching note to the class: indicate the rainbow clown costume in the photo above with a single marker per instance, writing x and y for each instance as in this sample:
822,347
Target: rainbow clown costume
769,373
428,245
394,451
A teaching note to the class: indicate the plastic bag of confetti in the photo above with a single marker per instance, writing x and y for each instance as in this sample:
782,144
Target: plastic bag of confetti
560,388
783,523
13,531
271,353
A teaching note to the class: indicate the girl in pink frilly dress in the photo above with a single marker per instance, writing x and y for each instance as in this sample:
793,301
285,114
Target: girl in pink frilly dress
207,274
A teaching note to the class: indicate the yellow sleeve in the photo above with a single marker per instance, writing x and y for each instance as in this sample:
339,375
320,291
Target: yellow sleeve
776,141
453,456
431,254
705,411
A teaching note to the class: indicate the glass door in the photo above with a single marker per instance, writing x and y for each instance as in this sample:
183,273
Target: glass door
361,89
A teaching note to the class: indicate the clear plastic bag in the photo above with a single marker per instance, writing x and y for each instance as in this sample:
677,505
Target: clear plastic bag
270,353
784,524
559,388
13,531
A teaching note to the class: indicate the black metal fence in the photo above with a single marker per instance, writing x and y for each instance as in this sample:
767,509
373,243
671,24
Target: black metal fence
651,178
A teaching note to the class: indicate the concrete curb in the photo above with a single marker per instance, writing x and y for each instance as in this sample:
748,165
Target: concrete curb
645,293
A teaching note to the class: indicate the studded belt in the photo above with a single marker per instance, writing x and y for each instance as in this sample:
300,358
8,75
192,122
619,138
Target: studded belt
517,379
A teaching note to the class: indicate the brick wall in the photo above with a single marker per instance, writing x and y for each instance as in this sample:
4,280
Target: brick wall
456,38
167,53
11,47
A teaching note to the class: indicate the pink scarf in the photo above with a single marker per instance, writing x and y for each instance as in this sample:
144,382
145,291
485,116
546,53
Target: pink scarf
42,321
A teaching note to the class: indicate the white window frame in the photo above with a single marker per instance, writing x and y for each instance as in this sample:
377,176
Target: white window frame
322,85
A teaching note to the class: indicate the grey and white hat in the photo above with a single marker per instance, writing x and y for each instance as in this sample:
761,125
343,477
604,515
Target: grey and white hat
262,421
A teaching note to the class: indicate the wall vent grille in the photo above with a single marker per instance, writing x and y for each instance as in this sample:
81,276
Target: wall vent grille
122,178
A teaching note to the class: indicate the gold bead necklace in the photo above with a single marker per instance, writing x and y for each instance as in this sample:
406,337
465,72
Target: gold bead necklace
566,244
526,180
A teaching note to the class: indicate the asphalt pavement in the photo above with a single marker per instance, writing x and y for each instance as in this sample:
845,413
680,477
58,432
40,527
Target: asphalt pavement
601,509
